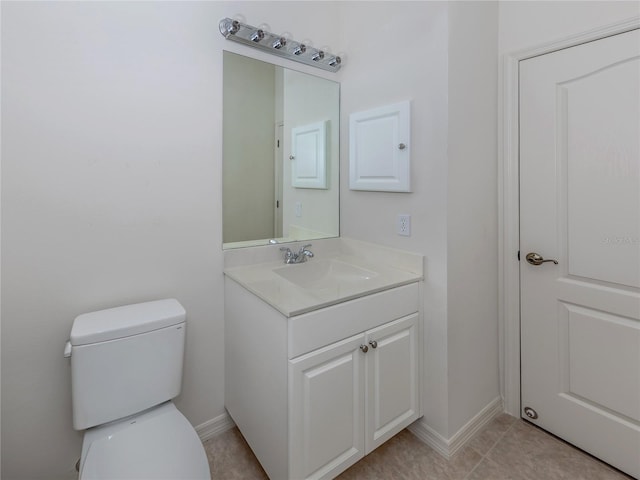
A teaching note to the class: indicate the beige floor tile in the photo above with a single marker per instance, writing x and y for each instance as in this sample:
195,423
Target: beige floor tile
489,470
506,449
536,455
230,458
406,457
486,438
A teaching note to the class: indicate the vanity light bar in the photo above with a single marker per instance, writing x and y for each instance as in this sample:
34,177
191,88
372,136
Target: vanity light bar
278,45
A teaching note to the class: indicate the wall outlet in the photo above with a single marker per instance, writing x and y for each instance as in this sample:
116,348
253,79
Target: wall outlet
298,209
403,225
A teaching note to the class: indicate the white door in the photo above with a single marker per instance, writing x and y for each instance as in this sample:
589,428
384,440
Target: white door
309,155
326,405
580,206
392,380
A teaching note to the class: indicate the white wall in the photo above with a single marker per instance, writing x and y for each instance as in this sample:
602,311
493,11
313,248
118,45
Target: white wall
444,59
528,24
472,210
109,197
111,158
398,51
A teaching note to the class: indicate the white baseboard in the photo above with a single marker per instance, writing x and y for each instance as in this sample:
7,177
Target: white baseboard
429,436
215,426
420,429
449,447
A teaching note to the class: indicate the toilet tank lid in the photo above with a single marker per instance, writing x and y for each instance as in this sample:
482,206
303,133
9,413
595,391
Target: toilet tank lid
126,321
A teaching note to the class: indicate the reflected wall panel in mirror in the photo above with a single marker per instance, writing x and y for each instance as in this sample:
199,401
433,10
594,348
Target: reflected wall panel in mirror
262,105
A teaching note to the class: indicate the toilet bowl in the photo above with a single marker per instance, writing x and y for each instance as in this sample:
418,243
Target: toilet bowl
157,444
126,366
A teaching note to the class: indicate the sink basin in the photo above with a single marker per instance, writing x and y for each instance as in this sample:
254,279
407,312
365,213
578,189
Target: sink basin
318,274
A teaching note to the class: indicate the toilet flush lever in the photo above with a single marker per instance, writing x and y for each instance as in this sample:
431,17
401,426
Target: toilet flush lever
67,349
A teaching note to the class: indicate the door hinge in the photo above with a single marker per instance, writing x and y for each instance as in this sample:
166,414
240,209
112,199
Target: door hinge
277,203
278,143
518,255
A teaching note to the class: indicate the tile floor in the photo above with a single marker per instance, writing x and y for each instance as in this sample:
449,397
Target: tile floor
506,449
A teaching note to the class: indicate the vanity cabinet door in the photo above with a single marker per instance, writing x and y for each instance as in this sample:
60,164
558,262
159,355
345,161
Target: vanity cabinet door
392,379
326,400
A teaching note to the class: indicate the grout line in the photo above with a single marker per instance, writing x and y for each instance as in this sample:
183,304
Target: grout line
484,456
468,475
500,438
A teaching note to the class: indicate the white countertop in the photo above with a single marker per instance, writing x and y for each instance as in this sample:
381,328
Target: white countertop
291,299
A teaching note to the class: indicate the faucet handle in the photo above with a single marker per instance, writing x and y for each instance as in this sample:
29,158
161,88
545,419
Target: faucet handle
304,253
288,254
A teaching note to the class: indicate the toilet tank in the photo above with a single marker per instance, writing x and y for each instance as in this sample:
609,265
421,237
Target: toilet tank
125,360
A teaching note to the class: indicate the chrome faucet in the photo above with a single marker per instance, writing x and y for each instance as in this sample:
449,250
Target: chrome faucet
300,257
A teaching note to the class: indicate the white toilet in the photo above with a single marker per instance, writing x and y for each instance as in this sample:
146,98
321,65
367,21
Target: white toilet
126,366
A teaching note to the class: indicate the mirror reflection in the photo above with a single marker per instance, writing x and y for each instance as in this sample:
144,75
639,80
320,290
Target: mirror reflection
280,154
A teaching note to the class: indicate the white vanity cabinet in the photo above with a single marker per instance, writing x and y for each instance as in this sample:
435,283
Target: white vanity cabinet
350,397
310,393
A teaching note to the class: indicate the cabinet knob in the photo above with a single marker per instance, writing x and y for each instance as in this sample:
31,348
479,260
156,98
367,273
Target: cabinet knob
373,344
364,348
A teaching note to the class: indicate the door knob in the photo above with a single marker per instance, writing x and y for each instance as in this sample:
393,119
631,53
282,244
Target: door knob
536,259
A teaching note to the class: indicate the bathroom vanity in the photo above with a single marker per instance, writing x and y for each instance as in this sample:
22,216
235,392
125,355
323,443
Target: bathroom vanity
322,358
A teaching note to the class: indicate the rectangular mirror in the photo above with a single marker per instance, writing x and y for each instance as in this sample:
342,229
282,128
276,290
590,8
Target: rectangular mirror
280,178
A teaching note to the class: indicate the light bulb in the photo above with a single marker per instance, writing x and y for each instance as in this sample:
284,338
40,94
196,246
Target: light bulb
257,35
229,27
264,27
335,61
239,18
299,49
279,42
283,40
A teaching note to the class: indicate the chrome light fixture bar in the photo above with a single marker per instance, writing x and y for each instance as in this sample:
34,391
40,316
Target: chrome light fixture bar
278,45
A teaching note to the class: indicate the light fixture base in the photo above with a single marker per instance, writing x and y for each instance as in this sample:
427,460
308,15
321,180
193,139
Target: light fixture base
278,45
